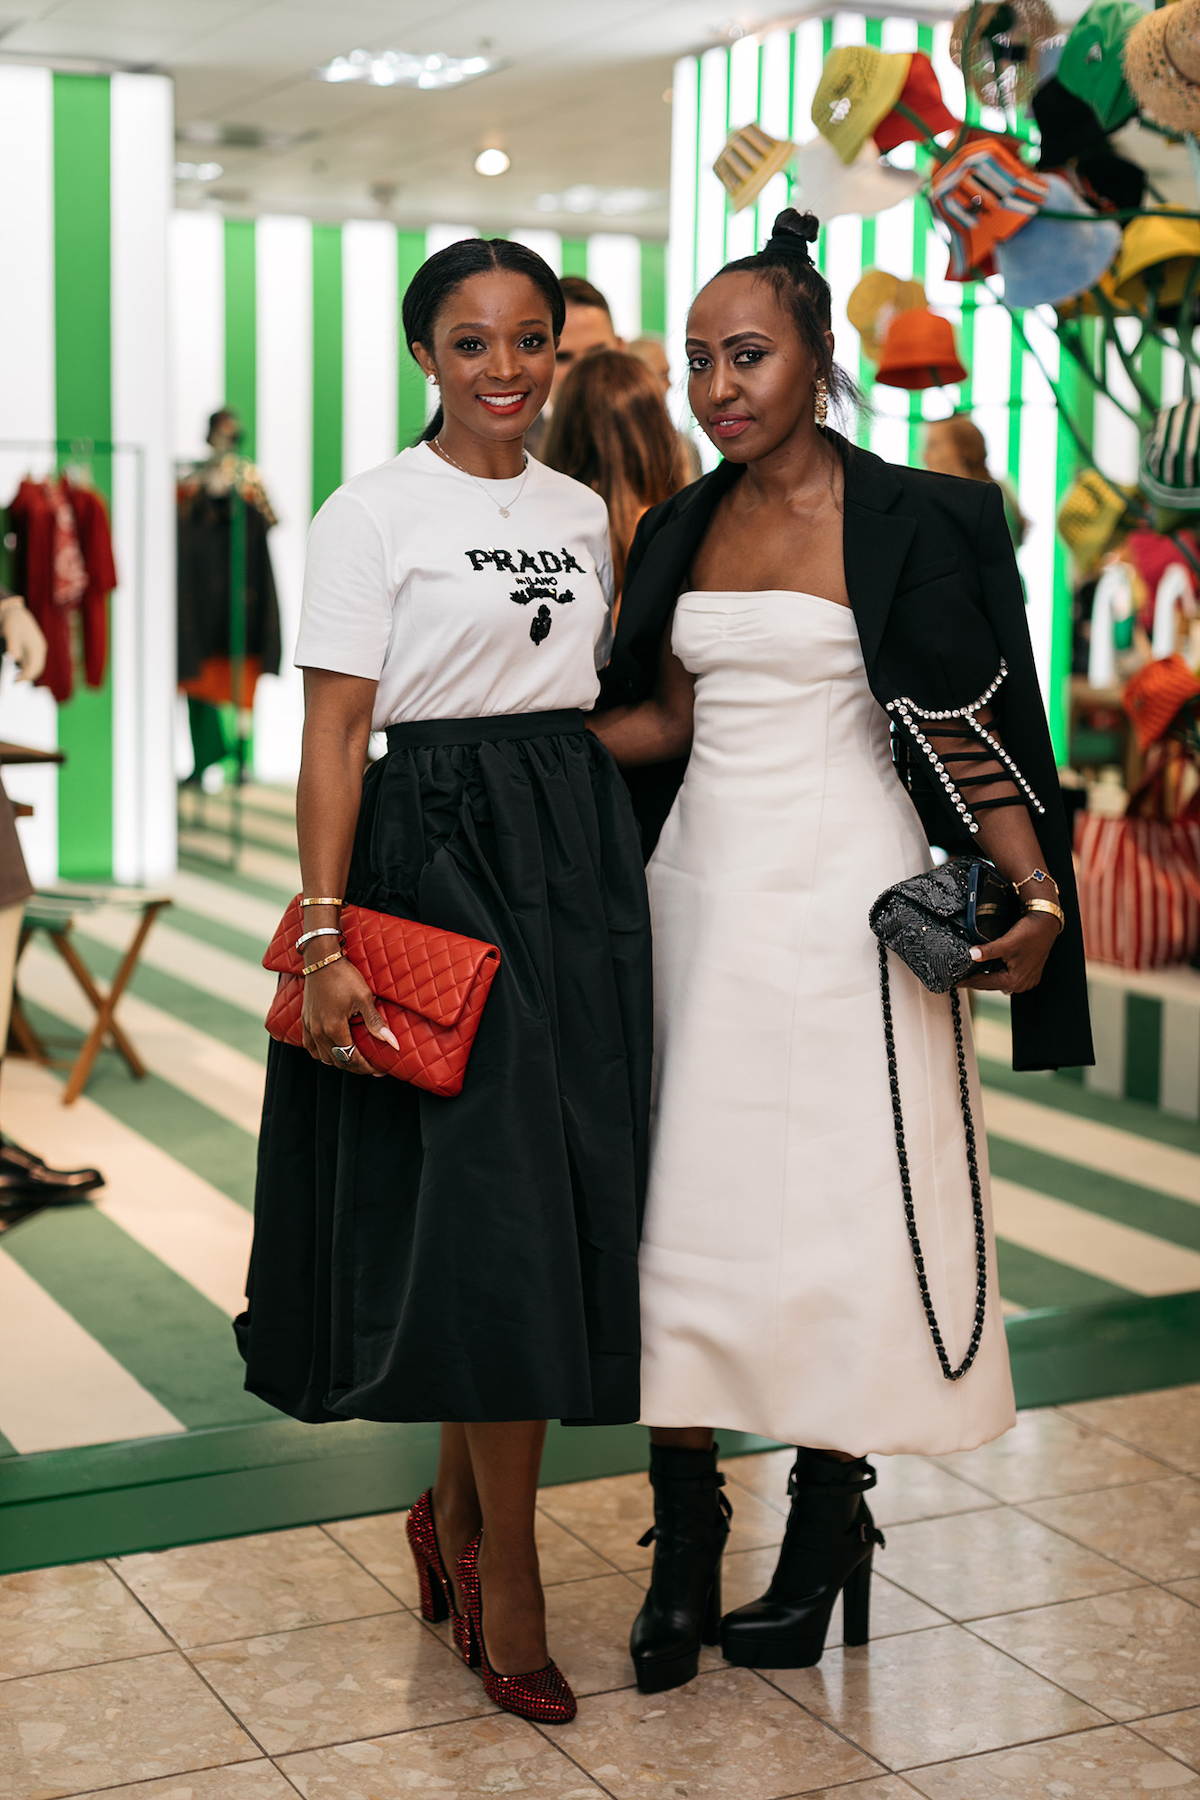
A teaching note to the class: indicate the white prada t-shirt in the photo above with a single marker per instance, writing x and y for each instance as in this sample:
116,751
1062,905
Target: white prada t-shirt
416,580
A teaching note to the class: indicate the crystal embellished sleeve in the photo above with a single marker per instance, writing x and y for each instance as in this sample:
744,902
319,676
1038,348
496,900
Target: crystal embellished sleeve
965,753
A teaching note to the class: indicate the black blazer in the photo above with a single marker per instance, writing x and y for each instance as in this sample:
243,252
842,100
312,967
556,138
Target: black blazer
940,610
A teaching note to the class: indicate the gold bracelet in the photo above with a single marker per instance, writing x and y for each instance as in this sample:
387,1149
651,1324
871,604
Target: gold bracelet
1038,875
320,900
1048,906
323,964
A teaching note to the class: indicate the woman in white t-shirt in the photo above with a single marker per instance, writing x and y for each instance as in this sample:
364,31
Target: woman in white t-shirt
472,1260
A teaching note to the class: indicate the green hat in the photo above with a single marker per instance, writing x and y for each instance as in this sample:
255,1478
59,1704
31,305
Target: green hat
1090,67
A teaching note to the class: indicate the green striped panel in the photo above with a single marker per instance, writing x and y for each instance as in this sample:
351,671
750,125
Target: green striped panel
1143,1047
1030,1280
326,362
574,256
654,288
217,1018
218,934
83,378
1145,1209
246,884
241,315
410,410
1069,1096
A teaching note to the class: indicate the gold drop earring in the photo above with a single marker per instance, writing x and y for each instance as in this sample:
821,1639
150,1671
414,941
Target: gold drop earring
820,400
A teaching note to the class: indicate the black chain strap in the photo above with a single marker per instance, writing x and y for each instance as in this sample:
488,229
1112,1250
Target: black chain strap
906,1184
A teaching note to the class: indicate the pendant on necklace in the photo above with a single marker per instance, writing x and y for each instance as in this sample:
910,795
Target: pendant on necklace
504,512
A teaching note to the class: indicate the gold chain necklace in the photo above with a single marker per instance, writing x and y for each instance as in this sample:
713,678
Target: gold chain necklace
503,510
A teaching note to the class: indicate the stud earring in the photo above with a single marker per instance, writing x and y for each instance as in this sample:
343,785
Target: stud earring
820,400
432,380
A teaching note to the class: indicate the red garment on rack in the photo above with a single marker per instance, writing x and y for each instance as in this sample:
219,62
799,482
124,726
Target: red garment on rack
32,516
95,540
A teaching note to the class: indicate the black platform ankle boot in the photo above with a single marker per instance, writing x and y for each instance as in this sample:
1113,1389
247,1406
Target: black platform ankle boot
827,1550
683,1608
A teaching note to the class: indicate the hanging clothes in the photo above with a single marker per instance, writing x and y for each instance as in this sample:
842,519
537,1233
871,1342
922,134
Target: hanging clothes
95,541
204,597
62,561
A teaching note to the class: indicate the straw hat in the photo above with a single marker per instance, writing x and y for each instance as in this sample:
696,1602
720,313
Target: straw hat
859,86
1089,518
1164,242
921,94
919,352
866,188
749,160
1052,260
984,193
875,302
1090,65
999,61
1162,65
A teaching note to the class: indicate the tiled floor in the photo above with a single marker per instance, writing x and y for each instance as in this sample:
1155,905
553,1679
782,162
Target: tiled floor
1037,1620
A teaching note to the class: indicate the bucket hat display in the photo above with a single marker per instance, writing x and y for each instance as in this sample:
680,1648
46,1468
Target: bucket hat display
1169,471
997,48
1066,124
867,187
875,302
748,161
1164,162
1154,695
922,95
1162,65
985,194
919,352
1091,67
1053,259
1089,518
859,86
1160,251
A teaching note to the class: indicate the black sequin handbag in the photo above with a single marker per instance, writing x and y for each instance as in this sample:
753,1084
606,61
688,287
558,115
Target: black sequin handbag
931,922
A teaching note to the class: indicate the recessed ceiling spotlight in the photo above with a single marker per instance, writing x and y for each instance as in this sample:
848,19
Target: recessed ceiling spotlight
205,171
402,68
492,162
609,201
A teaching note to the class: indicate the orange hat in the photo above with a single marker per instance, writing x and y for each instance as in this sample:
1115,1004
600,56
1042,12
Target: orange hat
919,352
985,194
1155,694
922,95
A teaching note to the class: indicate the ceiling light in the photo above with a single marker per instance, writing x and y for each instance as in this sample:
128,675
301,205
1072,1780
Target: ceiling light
608,201
492,162
205,171
402,68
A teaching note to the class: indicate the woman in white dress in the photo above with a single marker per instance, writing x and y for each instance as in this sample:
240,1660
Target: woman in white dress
781,617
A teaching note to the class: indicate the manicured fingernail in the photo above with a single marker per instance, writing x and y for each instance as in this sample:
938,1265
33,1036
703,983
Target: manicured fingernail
976,954
387,1037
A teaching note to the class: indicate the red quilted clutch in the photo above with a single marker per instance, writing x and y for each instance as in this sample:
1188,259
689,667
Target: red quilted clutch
429,985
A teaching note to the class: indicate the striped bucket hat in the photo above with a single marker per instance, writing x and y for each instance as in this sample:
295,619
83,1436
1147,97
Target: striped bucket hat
984,194
1170,467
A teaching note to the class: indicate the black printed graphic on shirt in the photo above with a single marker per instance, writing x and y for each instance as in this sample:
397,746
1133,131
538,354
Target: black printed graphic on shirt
537,574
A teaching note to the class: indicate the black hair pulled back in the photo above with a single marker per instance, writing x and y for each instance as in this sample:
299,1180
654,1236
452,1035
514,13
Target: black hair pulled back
785,263
440,277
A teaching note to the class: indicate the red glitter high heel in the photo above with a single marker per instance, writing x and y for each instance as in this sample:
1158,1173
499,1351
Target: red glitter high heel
437,1592
544,1695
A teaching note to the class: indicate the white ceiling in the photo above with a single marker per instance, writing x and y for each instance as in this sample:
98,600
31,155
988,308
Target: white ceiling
580,100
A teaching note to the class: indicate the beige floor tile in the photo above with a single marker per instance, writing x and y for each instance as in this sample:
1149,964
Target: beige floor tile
562,1557
379,1544
1152,1528
888,1787
1090,1765
765,1474
932,1695
1129,1654
245,1587
1190,1590
1046,1454
1165,1424
238,1781
1177,1732
725,1736
914,1487
611,1515
747,1573
587,1623
497,1755
973,1564
65,1618
116,1722
331,1684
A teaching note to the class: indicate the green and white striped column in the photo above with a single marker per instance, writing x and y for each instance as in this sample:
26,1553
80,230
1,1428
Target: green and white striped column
297,324
85,191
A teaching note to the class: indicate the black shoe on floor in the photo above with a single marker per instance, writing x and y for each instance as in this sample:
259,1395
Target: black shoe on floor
683,1607
22,1172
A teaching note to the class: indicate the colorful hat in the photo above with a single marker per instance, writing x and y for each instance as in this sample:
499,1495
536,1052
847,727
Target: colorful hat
1054,259
875,302
866,188
748,161
985,194
1154,695
1090,65
1165,243
997,47
1067,125
1164,161
1089,518
919,352
1162,65
921,94
1169,471
859,86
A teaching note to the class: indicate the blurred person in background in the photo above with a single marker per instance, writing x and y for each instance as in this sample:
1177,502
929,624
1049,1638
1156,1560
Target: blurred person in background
653,352
611,431
588,326
956,446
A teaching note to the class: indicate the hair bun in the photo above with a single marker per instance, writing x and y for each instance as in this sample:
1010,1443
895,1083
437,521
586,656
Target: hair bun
790,223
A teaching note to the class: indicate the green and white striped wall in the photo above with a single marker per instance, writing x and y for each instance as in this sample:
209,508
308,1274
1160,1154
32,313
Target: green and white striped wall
773,79
85,193
297,324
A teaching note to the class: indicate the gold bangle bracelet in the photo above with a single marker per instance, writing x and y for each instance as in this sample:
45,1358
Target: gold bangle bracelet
321,900
1048,906
324,963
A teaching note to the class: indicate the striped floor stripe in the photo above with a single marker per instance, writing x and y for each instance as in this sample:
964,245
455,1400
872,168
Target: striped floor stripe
1117,1253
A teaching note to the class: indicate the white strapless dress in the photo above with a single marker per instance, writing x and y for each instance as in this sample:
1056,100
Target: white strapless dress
778,1289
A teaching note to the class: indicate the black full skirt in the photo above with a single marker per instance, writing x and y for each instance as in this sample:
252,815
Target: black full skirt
421,1258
